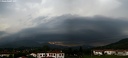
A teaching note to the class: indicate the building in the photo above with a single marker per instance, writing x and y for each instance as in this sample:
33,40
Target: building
98,52
122,52
126,52
60,55
41,55
5,55
50,55
33,54
53,54
110,52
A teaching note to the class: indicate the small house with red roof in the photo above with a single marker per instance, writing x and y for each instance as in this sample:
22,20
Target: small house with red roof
110,52
51,54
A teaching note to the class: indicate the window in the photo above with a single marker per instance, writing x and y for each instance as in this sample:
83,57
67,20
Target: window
51,54
43,55
62,54
59,54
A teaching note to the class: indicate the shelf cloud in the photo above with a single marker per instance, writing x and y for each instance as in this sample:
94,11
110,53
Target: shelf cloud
94,22
73,28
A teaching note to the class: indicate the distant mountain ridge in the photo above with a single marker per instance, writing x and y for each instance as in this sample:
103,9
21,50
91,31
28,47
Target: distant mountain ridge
32,43
122,44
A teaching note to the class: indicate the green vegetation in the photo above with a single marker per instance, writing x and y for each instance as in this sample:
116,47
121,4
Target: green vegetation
122,44
87,56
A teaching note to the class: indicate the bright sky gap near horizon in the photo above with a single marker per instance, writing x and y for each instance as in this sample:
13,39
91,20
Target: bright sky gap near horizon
64,22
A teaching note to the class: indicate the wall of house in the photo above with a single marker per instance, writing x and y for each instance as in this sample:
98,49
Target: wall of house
6,55
33,54
51,55
97,53
126,53
113,52
54,55
40,55
110,52
60,55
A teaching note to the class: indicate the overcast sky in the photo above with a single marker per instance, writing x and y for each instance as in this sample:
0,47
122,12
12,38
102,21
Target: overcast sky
93,22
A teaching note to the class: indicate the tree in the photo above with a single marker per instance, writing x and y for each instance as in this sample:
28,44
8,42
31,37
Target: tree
46,48
11,56
80,51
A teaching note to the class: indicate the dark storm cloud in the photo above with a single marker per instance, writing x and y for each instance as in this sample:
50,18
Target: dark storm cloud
1,32
96,30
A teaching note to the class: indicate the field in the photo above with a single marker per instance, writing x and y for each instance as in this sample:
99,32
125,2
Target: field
89,56
86,56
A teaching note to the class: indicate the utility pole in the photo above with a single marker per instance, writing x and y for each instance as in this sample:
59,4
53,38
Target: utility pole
13,53
91,53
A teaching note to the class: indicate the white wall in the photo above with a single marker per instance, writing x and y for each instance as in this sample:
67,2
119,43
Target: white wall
33,54
51,55
55,55
110,52
60,55
97,53
40,55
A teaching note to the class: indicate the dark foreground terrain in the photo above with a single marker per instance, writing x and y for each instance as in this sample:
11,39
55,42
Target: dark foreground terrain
87,56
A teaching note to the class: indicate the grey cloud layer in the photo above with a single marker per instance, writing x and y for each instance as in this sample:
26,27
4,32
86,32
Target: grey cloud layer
22,13
52,24
96,30
60,7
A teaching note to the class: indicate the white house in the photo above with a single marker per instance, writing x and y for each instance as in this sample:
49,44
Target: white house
5,55
40,55
122,52
126,52
60,55
51,55
110,52
98,52
33,54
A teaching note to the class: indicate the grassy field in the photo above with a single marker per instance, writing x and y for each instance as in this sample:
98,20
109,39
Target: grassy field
86,56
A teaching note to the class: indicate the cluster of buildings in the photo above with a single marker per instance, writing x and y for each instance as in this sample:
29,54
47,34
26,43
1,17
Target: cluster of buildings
111,52
51,54
4,55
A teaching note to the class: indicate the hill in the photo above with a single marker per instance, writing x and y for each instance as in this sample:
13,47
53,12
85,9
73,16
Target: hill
122,44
